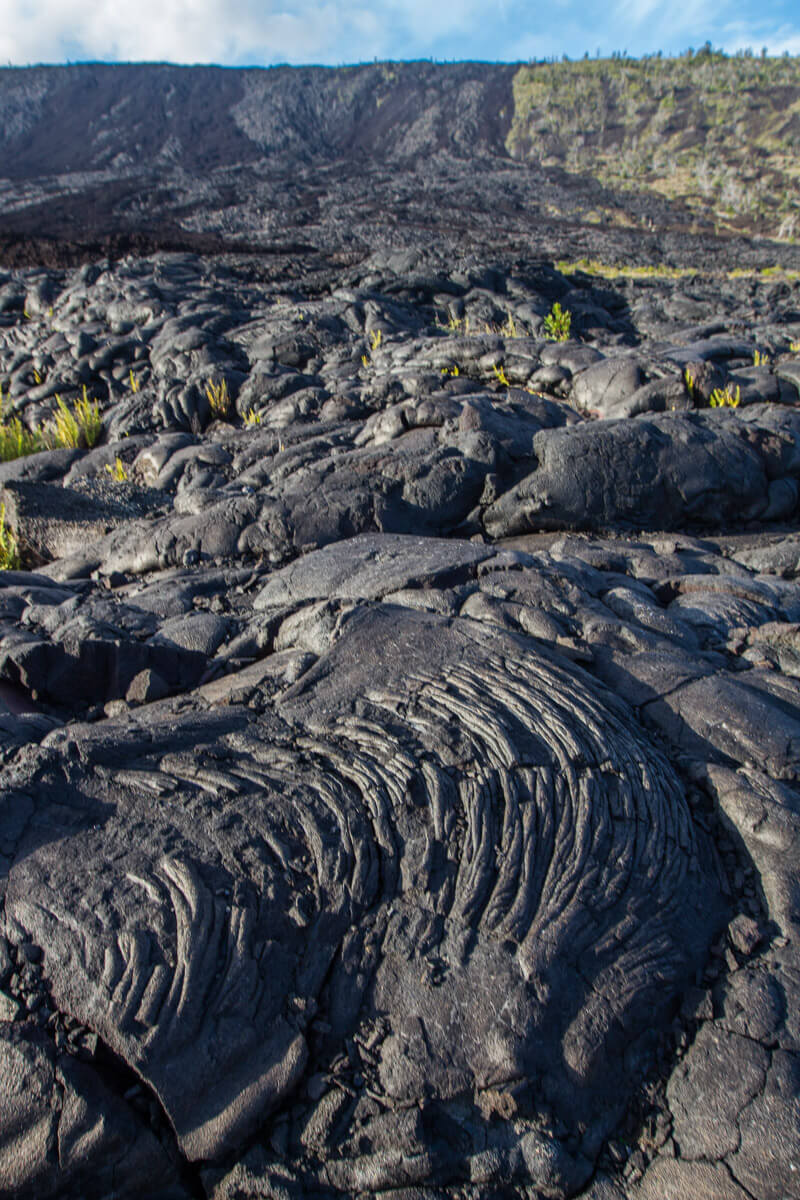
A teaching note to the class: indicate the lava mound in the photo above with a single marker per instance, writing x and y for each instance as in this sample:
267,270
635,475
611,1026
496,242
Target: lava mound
440,844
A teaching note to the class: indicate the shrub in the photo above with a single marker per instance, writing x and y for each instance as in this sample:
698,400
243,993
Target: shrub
251,417
557,323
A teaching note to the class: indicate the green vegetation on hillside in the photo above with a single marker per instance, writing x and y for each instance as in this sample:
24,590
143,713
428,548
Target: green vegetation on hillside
720,134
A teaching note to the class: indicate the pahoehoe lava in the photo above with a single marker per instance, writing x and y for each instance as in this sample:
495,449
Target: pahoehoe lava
461,829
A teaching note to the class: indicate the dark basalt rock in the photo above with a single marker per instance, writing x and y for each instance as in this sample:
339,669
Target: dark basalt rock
400,770
405,832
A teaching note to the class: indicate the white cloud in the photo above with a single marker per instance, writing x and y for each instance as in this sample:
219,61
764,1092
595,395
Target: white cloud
332,31
224,31
739,35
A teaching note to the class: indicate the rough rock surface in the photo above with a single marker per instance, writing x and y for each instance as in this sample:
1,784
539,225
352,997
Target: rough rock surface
400,770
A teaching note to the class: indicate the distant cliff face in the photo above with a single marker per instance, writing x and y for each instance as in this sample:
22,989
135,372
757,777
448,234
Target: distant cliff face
96,116
701,143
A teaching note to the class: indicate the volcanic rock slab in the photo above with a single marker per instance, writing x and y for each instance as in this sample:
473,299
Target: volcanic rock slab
438,824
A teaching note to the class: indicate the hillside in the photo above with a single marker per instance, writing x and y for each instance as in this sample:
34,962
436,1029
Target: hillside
721,134
702,144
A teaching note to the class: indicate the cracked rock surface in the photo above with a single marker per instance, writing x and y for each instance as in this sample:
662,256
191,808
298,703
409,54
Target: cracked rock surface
401,769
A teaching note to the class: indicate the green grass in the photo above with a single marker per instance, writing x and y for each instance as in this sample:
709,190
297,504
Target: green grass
79,426
71,429
16,441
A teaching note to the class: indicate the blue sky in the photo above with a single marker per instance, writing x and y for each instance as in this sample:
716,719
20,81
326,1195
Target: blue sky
262,32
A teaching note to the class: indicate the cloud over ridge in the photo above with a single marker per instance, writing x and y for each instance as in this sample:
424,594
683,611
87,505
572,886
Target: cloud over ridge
331,32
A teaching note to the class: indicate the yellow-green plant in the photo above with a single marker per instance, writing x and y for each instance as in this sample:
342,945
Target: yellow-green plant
134,381
37,375
794,347
80,427
251,417
688,379
118,471
16,441
90,423
9,554
724,397
760,359
557,323
453,371
454,324
375,339
63,431
218,398
509,327
500,375
591,266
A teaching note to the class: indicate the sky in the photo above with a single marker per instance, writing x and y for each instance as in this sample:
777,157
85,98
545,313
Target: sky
265,32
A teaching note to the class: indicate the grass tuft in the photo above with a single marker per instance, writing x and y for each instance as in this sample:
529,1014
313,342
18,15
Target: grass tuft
16,441
9,554
118,471
218,398
725,398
